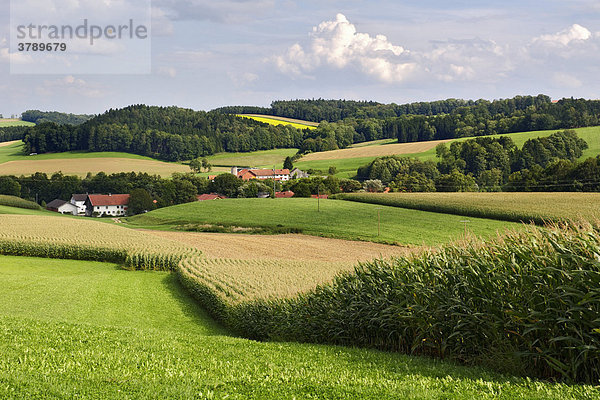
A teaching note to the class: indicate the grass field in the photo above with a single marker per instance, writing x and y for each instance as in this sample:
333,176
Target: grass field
6,122
263,158
21,211
347,161
273,120
526,207
90,330
338,219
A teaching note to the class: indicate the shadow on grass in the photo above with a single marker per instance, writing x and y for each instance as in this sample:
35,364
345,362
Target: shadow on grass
190,308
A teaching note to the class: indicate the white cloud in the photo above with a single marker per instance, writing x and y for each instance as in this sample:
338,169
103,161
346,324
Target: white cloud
564,80
575,33
338,45
71,86
167,71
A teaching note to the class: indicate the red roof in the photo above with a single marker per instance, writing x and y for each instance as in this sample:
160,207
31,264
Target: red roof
263,172
322,196
284,195
212,196
109,199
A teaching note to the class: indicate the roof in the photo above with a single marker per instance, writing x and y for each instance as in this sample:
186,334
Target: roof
212,196
109,199
321,196
284,195
56,203
79,197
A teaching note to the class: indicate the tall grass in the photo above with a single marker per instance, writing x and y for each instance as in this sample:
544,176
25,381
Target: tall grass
528,303
12,201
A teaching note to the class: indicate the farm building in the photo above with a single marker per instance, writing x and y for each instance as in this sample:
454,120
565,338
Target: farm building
78,200
212,196
261,174
106,204
61,206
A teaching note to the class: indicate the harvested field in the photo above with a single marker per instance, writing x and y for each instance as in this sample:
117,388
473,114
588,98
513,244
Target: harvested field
82,166
3,144
374,151
288,247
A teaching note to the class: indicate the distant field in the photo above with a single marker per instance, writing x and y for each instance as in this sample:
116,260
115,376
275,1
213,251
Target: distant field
526,207
82,166
263,158
22,211
5,122
337,219
273,120
382,149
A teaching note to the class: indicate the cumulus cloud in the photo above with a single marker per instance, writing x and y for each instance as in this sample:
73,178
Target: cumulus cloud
575,33
338,44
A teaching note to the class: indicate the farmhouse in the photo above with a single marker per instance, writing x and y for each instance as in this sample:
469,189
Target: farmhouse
106,204
78,200
61,206
261,174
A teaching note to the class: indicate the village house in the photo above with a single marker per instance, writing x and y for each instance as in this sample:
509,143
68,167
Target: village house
297,173
61,206
78,200
106,204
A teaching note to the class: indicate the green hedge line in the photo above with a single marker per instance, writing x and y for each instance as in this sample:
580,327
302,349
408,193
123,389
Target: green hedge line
527,303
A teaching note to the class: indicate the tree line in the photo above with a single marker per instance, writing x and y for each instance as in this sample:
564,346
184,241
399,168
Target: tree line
38,117
493,164
10,133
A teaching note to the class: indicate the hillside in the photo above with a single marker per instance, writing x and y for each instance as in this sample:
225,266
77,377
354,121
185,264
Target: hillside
337,219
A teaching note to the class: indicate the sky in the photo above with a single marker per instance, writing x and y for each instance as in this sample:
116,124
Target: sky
206,54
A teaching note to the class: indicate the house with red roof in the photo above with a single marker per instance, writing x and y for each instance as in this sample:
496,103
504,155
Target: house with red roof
106,204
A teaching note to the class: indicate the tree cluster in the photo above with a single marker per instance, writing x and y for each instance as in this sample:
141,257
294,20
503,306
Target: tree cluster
492,164
11,133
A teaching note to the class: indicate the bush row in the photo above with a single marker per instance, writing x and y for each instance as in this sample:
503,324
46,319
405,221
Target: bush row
526,303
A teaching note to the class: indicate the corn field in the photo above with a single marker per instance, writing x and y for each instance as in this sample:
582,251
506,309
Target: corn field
526,303
53,237
539,208
12,201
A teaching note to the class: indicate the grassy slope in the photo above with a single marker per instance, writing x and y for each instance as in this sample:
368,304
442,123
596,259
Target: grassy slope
339,219
5,122
347,167
506,206
263,158
23,211
79,329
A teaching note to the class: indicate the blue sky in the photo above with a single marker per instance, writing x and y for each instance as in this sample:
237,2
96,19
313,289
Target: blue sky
207,54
